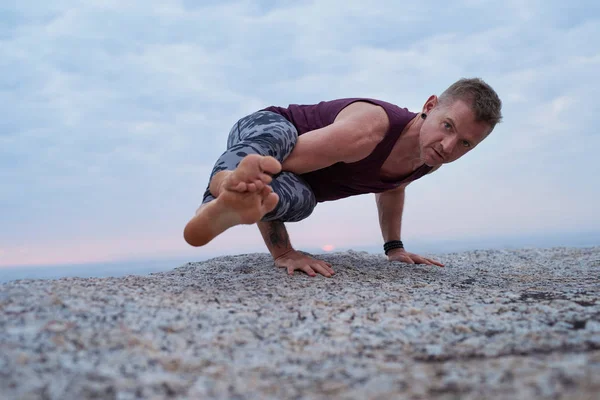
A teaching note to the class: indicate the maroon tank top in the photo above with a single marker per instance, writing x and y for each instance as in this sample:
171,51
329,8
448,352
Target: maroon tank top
342,180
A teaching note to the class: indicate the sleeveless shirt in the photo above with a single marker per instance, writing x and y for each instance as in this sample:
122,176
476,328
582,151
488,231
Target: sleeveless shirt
342,180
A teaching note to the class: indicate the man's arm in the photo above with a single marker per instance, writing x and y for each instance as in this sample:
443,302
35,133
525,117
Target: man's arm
276,238
353,135
390,206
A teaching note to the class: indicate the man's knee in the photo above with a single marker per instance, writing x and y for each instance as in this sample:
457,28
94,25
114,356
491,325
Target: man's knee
270,133
296,199
301,210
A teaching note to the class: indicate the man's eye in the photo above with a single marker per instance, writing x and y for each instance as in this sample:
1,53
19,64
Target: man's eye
447,126
466,144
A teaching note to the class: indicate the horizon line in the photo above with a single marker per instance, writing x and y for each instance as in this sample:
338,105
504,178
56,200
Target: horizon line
485,242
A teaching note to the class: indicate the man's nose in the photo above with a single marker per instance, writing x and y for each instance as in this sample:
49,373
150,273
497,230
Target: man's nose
448,144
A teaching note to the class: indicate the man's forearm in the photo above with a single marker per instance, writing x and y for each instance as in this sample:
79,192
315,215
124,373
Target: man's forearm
390,206
276,237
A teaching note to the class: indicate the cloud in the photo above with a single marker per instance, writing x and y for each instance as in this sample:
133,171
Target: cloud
114,112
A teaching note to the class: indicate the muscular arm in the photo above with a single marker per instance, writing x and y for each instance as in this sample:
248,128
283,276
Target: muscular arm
390,206
276,237
353,135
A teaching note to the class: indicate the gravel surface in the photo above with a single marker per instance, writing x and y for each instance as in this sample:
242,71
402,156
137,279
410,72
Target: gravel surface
516,324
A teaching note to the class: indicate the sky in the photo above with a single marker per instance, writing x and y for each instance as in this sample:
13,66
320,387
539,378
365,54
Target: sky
113,114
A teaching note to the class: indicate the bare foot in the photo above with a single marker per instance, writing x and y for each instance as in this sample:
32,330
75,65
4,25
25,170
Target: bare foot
251,175
243,197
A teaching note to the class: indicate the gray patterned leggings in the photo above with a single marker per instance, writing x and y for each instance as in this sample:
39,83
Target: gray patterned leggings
268,134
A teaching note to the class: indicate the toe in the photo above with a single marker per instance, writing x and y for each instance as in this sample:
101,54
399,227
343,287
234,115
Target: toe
265,178
259,184
240,187
270,202
270,165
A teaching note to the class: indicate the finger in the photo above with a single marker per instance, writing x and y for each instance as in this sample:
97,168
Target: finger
290,270
309,271
328,266
251,187
420,260
404,259
433,262
429,261
322,270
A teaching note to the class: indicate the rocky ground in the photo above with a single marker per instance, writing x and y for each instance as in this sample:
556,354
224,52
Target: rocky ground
516,324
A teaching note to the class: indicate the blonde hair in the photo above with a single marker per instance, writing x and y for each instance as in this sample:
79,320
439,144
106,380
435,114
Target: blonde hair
485,103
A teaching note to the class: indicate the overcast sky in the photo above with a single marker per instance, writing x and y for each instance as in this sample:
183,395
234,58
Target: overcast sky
113,114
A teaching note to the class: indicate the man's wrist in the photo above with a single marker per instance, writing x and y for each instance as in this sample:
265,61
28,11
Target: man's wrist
277,255
394,252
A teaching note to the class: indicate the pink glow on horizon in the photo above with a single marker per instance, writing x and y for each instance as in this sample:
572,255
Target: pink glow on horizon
89,251
238,240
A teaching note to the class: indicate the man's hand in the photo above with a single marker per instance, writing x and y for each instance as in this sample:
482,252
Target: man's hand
410,258
294,260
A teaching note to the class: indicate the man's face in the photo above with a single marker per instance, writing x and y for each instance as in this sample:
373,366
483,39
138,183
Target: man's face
449,132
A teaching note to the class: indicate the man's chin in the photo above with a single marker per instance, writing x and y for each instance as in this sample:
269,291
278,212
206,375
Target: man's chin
432,163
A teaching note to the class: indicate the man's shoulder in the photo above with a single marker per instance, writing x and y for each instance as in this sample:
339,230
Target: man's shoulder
366,116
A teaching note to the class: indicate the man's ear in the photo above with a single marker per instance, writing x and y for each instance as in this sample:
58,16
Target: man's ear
431,102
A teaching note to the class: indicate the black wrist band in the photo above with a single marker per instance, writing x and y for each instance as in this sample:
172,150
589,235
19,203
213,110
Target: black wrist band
392,244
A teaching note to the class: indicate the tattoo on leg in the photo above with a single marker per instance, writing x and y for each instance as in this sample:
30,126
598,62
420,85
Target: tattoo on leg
278,235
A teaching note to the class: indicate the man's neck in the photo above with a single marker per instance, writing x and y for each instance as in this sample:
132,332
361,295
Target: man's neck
407,147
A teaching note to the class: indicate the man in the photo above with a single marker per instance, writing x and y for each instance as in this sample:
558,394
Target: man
280,162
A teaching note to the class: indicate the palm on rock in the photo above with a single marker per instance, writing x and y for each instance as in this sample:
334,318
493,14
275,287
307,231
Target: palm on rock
294,260
411,258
